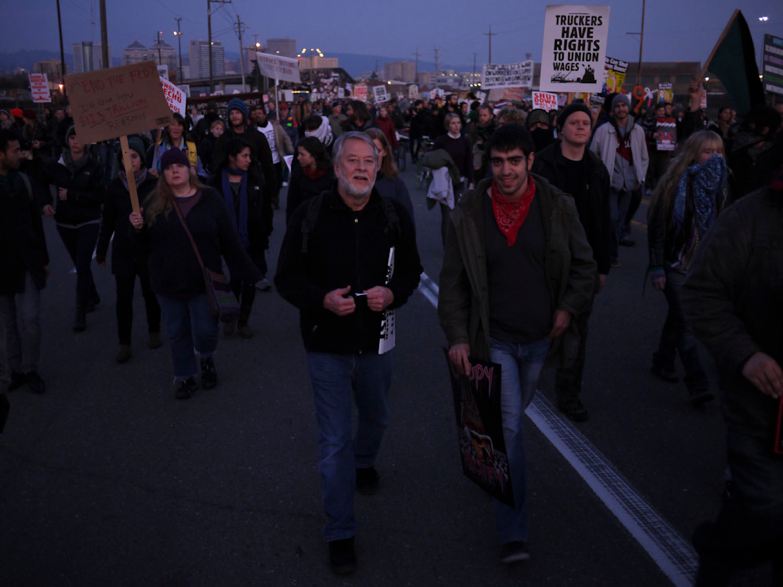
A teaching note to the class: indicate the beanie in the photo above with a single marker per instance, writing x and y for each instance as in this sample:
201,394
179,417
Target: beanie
237,104
173,156
620,99
537,115
572,109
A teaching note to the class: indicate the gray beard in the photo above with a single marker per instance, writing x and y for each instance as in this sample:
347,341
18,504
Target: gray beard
357,194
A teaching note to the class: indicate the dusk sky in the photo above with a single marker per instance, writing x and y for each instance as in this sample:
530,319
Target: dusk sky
674,29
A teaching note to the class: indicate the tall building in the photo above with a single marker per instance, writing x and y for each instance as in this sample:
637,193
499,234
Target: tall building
87,56
135,53
51,67
403,71
284,47
164,54
199,59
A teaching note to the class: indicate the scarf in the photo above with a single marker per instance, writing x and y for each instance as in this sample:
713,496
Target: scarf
323,133
509,214
140,177
313,174
74,166
240,224
707,181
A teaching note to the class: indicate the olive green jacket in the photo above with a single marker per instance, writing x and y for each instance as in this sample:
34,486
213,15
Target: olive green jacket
571,272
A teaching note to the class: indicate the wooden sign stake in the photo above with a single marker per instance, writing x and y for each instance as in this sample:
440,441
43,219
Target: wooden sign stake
134,196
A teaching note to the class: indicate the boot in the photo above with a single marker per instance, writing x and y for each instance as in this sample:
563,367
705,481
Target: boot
80,321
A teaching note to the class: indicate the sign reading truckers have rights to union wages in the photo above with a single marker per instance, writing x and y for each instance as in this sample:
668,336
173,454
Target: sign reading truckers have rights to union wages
572,58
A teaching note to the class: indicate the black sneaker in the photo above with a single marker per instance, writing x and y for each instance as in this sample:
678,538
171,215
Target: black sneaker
342,556
209,378
367,480
514,552
186,388
573,408
17,380
664,373
34,382
80,321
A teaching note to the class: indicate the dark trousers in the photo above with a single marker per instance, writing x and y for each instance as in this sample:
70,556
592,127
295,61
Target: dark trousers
568,381
80,244
749,528
246,294
126,282
677,337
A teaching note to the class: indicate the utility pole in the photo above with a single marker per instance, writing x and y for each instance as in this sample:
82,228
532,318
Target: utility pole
209,37
104,38
62,52
416,74
489,36
240,29
474,64
437,60
641,45
178,34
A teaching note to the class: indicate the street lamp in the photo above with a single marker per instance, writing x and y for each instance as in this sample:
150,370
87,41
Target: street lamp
178,34
763,18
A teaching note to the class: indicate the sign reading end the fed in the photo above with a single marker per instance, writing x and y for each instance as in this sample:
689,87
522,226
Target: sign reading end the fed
110,103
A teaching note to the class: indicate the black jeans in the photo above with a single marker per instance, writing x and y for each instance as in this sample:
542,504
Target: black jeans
80,244
677,337
126,282
568,380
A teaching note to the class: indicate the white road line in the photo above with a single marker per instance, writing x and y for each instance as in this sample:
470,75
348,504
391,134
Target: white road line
673,554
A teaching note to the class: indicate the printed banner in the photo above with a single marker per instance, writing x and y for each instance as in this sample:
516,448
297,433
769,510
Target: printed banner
614,70
109,103
360,92
39,88
665,134
283,69
773,64
511,75
572,58
175,97
380,94
665,93
545,101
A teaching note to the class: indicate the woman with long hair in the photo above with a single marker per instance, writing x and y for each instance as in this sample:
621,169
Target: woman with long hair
251,214
388,181
128,256
685,204
179,206
173,137
311,174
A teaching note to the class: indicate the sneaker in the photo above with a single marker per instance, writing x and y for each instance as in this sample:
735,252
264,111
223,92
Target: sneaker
17,380
244,331
209,378
35,383
80,322
699,397
514,552
154,341
573,408
123,354
664,373
264,285
342,556
229,328
367,480
186,388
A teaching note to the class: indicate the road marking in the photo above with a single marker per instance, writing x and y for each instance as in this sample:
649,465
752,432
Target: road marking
672,553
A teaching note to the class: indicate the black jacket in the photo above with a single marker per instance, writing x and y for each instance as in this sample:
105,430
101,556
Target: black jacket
85,191
22,242
174,269
549,163
259,148
302,188
732,299
127,252
346,248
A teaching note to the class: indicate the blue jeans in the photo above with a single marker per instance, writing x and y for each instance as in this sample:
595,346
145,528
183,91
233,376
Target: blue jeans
520,366
619,201
337,381
20,325
191,329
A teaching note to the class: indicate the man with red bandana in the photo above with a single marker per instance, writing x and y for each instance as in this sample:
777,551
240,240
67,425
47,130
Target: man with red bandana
517,270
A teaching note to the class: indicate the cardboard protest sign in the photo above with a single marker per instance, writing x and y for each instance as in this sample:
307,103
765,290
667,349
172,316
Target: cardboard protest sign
39,88
665,134
175,97
360,92
277,67
512,75
545,101
380,94
482,447
572,59
614,70
109,103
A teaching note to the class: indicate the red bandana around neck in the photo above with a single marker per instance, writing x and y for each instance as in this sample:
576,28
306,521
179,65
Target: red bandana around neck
509,214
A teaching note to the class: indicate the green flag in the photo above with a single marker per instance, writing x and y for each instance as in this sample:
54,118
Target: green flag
733,61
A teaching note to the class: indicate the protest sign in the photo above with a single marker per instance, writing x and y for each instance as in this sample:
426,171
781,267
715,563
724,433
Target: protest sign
277,67
109,103
665,134
545,101
413,92
380,94
665,93
39,88
482,447
163,71
773,64
614,70
360,92
572,58
175,97
512,75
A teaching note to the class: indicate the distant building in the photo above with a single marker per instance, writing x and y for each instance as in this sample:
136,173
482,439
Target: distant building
135,53
52,68
86,56
404,71
284,47
199,59
315,59
164,54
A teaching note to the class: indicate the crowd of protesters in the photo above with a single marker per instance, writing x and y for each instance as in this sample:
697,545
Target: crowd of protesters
222,173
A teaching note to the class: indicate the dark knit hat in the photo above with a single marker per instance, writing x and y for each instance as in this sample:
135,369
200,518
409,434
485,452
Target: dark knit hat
136,144
173,156
71,131
237,104
572,109
620,98
537,115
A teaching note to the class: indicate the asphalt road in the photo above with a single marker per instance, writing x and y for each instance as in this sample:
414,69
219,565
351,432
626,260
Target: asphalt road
108,480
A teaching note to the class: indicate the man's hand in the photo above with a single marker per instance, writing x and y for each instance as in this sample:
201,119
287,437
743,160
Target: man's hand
659,282
560,323
601,281
379,298
339,302
62,193
458,355
48,210
765,373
